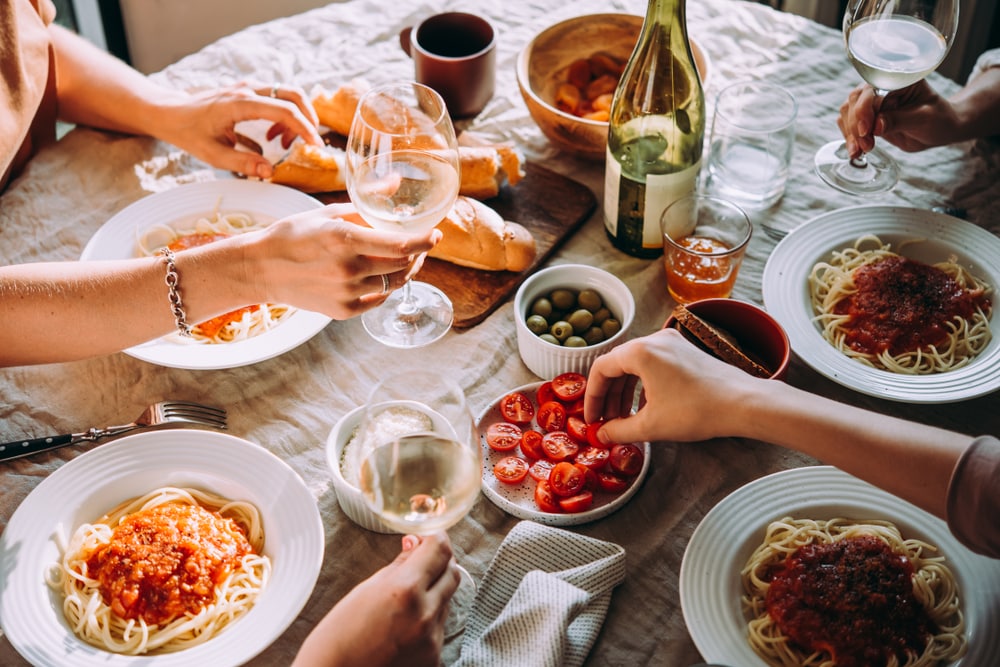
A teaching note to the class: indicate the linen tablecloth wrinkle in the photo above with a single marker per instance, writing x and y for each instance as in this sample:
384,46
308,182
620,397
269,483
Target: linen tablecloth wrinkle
288,404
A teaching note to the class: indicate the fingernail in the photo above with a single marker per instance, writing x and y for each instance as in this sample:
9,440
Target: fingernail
264,170
409,542
602,437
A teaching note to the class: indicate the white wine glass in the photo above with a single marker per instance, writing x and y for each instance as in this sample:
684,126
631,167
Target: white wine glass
421,468
892,44
403,175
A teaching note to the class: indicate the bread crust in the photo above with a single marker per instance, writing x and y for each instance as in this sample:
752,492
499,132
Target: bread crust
717,341
476,236
311,169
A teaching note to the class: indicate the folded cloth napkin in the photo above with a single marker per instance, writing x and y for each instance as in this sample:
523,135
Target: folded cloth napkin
542,600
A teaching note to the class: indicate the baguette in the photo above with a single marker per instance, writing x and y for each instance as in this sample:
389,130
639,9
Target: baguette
717,341
476,236
336,109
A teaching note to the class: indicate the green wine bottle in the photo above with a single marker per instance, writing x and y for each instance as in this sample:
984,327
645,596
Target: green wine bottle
656,132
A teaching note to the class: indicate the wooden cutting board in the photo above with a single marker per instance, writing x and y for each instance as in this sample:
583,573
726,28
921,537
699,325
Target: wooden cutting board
550,205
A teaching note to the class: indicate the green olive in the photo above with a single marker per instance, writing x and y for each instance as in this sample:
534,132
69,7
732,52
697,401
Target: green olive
594,335
600,315
563,299
561,330
549,338
590,300
575,341
541,306
580,320
610,327
537,324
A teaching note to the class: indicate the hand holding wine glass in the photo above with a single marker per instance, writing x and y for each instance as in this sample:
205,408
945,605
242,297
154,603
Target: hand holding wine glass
892,44
421,468
403,175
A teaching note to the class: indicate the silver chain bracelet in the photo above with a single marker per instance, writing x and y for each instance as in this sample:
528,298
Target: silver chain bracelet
174,296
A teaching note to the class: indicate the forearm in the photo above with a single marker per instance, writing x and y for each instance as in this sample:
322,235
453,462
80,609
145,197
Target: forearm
910,460
63,311
98,90
977,106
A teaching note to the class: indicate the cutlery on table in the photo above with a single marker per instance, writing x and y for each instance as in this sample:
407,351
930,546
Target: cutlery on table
157,415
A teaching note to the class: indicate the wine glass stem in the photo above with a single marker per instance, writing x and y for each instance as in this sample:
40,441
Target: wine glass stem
861,162
407,306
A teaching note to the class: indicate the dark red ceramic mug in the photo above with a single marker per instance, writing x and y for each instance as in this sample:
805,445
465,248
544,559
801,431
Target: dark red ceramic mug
455,54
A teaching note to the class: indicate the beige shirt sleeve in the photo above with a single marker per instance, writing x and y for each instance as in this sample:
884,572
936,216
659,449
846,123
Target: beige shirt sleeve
27,83
974,497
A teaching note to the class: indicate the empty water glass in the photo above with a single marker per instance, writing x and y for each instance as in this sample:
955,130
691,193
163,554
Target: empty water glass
753,131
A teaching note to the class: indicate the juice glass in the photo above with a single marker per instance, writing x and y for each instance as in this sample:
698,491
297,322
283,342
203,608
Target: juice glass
704,241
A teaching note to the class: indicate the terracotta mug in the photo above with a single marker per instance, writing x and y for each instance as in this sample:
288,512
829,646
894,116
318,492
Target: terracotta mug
455,54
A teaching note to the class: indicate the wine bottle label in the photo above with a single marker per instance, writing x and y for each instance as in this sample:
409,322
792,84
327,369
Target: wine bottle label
632,209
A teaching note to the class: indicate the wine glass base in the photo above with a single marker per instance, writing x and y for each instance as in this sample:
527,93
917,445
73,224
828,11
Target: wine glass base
834,166
421,321
460,604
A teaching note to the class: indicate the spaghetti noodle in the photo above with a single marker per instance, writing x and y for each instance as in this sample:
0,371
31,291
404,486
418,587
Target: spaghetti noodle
162,572
233,326
850,594
897,314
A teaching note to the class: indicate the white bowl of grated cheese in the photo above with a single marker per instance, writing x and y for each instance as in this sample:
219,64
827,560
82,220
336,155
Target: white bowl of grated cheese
345,451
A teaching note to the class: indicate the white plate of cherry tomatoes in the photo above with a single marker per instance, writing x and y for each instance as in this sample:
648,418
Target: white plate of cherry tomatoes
543,462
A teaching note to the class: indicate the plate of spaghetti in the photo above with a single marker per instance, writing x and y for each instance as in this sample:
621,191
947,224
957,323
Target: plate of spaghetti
762,578
196,214
897,303
172,547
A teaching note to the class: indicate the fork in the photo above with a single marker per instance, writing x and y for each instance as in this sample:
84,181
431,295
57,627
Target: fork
157,415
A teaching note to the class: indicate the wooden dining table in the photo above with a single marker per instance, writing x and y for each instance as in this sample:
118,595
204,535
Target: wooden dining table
289,403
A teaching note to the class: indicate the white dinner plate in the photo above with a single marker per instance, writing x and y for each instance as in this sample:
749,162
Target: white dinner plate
786,295
266,202
710,584
97,481
519,499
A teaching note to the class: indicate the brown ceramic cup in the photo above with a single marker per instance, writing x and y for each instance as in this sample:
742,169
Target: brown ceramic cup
455,54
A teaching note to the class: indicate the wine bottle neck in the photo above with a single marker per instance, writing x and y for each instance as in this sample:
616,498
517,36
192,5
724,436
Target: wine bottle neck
667,12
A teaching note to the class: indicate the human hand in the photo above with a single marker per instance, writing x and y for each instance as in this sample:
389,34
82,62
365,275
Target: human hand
204,124
913,119
326,260
688,394
395,617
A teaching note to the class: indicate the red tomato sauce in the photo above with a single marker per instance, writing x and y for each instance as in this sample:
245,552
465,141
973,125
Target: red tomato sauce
212,327
166,561
902,305
852,599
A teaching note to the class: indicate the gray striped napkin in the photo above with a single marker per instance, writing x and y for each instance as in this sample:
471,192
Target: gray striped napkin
542,600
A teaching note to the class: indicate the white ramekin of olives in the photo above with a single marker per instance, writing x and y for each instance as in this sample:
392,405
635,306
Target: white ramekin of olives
569,314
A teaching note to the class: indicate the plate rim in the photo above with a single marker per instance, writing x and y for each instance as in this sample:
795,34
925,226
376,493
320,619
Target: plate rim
301,326
130,455
785,297
728,645
568,519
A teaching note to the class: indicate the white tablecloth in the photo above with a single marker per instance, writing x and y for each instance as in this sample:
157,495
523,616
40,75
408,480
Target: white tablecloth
289,403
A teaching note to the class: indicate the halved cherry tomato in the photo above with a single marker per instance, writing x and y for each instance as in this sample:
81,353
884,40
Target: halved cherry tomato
545,393
531,444
558,446
503,436
569,386
594,458
592,430
611,482
517,408
541,469
545,499
577,429
575,409
566,479
552,416
511,470
581,502
626,459
589,477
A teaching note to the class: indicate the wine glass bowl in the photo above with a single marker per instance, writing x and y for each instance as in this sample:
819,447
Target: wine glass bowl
402,173
892,44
